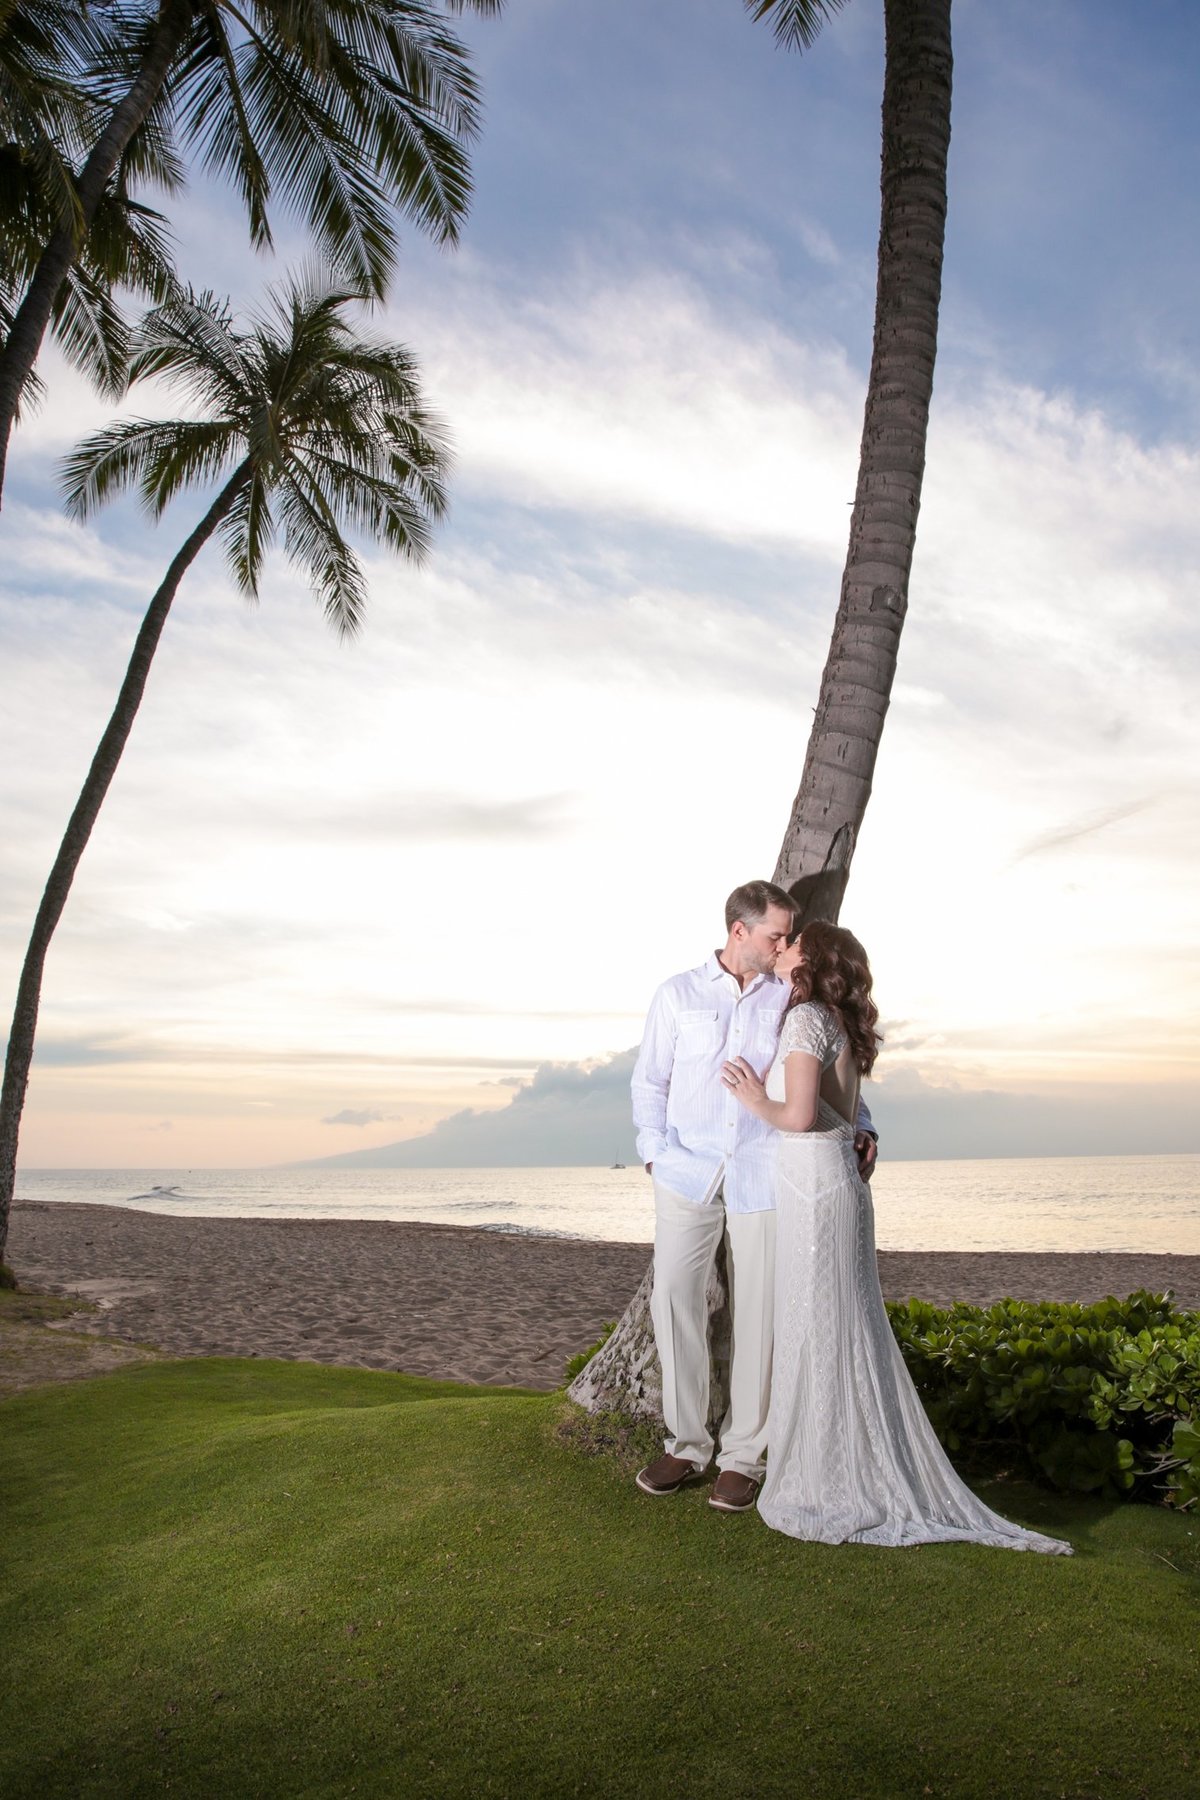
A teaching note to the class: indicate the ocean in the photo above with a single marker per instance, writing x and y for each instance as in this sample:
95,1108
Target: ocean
1128,1203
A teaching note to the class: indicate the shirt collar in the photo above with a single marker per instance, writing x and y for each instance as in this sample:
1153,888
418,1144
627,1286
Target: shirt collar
715,970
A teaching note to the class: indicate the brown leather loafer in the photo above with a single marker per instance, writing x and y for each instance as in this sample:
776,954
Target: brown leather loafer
667,1475
733,1492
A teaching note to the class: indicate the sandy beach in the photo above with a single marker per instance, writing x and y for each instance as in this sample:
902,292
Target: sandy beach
461,1304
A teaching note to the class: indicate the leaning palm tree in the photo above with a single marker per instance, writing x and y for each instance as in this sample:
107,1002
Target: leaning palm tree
843,743
311,430
345,109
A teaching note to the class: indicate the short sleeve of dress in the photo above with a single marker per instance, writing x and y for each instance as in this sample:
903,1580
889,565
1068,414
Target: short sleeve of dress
807,1027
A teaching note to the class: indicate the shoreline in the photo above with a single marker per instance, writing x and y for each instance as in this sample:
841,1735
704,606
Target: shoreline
457,1302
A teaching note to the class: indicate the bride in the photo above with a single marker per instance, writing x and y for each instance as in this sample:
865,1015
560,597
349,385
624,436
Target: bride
851,1455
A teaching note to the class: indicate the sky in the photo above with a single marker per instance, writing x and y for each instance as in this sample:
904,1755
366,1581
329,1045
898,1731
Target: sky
418,888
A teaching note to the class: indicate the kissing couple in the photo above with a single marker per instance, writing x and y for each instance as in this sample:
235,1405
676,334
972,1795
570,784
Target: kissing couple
747,1104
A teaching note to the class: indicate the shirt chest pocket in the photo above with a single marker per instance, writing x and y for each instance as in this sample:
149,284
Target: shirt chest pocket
764,1037
700,1034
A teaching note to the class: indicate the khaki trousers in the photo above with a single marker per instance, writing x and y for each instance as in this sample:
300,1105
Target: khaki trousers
686,1237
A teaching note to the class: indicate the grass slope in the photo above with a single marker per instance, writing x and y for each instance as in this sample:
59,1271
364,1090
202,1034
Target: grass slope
247,1578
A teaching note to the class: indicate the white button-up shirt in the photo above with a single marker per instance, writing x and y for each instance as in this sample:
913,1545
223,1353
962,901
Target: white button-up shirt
699,1138
688,1124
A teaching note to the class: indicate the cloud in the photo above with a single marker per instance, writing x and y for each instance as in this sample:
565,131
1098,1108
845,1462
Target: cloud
429,817
568,1114
348,1116
1082,828
59,1052
639,398
920,1121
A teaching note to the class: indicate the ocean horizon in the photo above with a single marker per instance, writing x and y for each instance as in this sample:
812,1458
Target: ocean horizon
1132,1204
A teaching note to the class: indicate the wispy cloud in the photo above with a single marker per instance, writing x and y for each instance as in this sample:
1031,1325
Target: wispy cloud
1074,832
56,1052
416,817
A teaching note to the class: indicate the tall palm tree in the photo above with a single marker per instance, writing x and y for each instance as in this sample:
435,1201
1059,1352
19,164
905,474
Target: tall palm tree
312,430
827,814
344,108
843,743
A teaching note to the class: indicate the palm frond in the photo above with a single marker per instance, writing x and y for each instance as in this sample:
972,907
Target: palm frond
247,533
26,220
372,504
408,44
301,329
205,92
52,181
129,246
92,330
156,456
190,340
796,23
47,109
312,538
324,168
418,148
419,457
200,453
151,158
344,109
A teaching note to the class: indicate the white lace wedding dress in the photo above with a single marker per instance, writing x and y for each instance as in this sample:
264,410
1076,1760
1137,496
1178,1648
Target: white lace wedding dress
851,1455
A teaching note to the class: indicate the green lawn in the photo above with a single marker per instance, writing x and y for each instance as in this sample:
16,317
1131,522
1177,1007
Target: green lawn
245,1578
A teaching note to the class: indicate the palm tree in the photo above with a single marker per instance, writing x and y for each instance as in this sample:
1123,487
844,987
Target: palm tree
814,861
128,247
344,108
47,118
311,430
827,814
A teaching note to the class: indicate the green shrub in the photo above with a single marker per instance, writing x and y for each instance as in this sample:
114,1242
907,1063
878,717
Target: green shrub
1094,1399
582,1358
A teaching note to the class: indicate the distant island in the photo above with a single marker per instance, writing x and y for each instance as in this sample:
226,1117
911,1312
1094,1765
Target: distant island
568,1116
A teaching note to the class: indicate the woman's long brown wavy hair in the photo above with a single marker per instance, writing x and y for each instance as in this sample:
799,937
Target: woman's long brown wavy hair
835,971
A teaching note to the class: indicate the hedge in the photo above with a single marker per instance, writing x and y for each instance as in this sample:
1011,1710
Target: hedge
1101,1399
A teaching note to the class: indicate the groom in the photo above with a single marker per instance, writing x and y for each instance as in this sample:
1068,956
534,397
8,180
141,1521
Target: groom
711,1163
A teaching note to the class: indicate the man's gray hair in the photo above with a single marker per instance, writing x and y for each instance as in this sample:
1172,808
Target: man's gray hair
749,903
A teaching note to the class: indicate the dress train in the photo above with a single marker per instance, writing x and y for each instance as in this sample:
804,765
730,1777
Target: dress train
852,1456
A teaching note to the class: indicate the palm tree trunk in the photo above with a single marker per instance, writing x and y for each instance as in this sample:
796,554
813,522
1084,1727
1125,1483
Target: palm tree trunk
24,340
814,862
79,829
